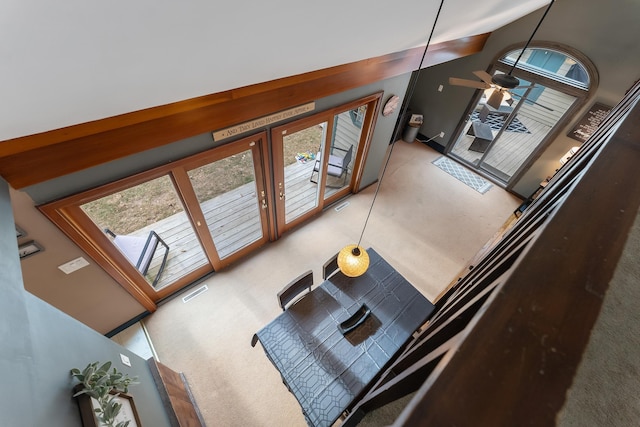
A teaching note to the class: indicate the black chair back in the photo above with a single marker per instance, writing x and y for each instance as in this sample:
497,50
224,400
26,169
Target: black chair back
295,288
330,267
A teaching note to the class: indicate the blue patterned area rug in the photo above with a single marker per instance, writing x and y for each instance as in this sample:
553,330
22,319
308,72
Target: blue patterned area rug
463,174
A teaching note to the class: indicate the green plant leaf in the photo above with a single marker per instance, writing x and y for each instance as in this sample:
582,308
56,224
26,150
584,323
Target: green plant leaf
98,381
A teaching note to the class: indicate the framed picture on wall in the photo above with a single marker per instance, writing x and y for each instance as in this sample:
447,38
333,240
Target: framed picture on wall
128,411
589,122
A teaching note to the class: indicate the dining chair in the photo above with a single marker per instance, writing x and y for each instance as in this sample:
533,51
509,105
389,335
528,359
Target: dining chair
330,267
338,166
140,250
295,288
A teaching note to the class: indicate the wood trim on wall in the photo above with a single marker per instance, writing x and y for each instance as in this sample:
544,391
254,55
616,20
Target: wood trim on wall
31,159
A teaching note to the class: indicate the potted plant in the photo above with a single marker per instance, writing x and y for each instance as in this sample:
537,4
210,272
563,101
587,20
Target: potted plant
104,386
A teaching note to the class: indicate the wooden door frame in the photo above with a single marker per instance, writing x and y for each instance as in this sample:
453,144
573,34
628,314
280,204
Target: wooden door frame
373,106
277,148
67,215
257,144
364,144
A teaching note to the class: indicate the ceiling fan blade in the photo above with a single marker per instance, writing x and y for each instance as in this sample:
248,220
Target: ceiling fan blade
468,83
495,99
484,76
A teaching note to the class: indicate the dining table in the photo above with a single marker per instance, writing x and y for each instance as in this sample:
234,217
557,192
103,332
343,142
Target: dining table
332,343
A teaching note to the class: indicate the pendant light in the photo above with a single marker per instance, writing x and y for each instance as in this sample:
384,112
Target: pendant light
353,260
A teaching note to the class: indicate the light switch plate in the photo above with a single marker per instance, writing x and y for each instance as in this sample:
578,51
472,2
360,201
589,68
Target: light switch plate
125,360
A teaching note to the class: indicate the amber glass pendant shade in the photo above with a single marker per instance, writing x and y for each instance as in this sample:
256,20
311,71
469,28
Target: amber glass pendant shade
353,260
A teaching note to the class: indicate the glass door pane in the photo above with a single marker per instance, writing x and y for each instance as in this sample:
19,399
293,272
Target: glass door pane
536,111
481,129
317,160
148,225
231,199
300,150
501,140
347,128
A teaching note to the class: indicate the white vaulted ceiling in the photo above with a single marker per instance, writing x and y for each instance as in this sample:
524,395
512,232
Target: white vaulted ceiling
73,61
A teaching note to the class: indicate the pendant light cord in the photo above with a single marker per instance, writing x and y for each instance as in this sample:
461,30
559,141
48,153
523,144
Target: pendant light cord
412,87
531,37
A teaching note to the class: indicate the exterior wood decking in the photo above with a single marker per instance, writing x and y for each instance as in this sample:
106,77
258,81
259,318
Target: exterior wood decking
509,151
233,218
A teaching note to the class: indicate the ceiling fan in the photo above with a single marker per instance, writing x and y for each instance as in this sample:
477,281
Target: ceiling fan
500,83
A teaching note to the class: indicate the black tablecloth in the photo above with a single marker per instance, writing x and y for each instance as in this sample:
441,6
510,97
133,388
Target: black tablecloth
327,370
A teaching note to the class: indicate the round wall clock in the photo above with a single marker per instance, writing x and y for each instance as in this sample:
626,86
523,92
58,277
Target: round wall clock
391,105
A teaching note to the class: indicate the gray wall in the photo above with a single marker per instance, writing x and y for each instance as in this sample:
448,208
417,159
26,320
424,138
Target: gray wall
40,345
606,32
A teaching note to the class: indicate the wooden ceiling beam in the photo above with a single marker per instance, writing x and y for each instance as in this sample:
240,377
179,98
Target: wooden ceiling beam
31,159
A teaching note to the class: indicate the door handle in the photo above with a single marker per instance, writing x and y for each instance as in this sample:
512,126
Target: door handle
281,191
264,200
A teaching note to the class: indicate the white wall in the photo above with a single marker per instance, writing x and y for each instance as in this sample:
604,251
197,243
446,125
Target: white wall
73,61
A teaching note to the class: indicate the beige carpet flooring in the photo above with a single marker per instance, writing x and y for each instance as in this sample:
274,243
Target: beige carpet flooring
426,223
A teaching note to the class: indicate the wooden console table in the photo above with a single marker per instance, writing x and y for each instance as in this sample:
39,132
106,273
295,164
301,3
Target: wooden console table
176,396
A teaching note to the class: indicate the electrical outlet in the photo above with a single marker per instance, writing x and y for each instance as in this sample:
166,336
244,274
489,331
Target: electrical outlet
441,134
440,88
73,265
125,360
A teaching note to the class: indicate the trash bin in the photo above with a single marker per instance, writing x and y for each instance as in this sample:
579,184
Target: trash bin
410,133
413,126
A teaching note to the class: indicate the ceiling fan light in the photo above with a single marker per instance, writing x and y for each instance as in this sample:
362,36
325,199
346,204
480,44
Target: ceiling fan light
506,81
495,99
353,260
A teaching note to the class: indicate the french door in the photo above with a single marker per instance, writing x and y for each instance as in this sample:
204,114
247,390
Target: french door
162,229
206,211
226,194
316,161
514,131
296,147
